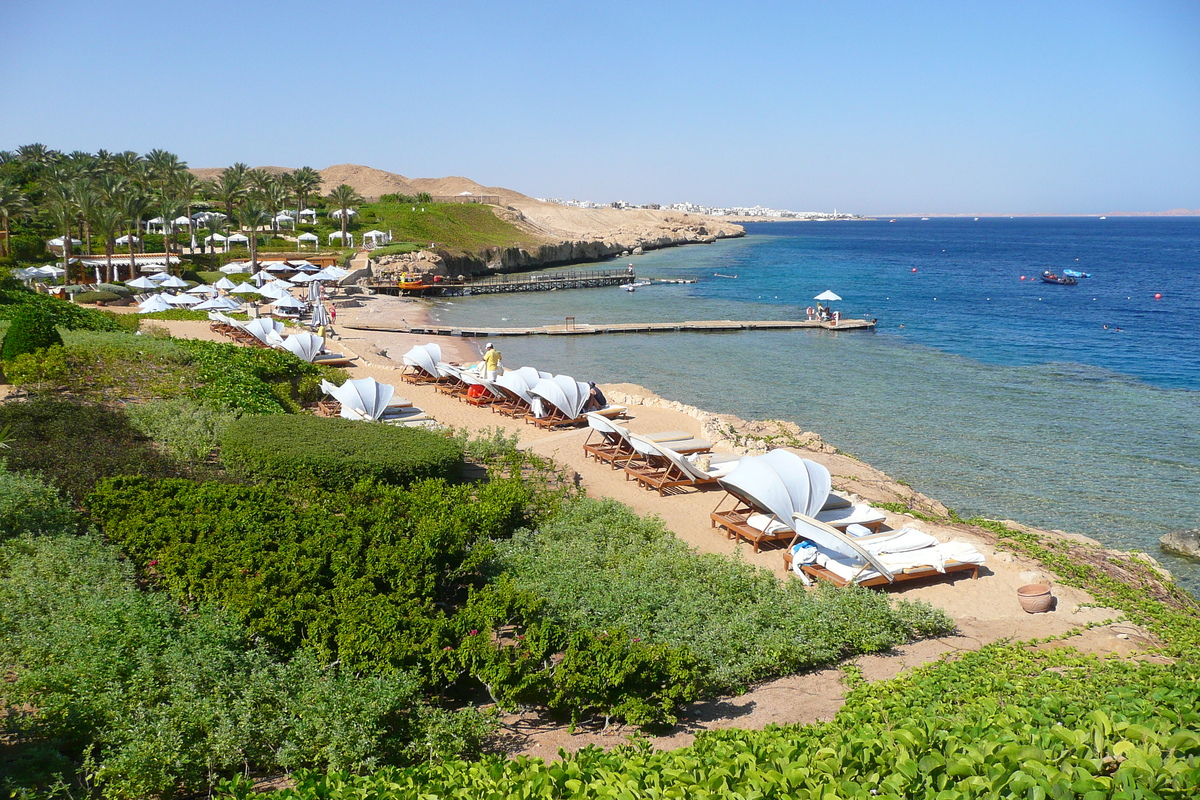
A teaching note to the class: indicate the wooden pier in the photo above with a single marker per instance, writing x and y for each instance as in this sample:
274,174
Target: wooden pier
503,283
584,329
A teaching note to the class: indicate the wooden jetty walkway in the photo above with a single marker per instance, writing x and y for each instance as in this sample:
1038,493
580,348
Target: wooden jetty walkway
571,328
504,283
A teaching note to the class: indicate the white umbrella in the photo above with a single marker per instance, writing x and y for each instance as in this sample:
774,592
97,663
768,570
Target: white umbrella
276,266
827,295
304,266
273,291
142,283
314,292
202,289
155,304
236,266
303,277
287,301
218,304
320,316
172,282
181,299
283,284
336,273
225,284
244,288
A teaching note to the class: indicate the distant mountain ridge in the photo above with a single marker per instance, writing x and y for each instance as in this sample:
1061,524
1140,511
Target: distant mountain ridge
371,182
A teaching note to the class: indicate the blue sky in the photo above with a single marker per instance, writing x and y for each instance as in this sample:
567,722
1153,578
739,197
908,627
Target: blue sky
870,107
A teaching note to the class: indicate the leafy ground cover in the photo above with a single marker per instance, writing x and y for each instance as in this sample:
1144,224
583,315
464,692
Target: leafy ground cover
457,227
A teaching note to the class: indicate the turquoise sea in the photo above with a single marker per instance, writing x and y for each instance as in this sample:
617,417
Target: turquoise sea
1068,407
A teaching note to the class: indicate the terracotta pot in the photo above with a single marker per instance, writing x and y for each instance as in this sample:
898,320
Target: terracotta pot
1035,598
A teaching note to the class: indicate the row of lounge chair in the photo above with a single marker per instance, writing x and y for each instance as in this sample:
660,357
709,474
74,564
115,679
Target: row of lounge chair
539,398
267,332
368,400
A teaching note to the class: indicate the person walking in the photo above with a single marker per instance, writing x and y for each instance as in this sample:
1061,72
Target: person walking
491,362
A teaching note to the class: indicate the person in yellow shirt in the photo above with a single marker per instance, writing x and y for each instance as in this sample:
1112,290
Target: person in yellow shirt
491,362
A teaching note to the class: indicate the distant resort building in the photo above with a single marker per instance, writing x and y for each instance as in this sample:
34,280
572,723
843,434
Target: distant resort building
710,211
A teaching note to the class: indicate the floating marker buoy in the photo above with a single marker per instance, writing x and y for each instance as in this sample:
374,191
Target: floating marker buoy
1022,277
914,269
1158,297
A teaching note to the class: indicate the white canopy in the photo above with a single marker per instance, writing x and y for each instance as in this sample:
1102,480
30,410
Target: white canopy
564,393
225,284
154,304
182,220
58,241
308,212
782,483
337,213
181,299
336,273
338,235
365,398
276,266
516,383
425,356
308,237
125,239
142,282
172,282
236,266
273,290
261,328
287,301
202,289
218,304
304,345
237,237
827,295
244,288
216,237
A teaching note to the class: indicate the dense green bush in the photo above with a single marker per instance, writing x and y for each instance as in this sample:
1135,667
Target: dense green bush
73,445
367,576
147,700
30,329
186,429
40,370
68,316
600,565
29,505
97,297
253,379
335,453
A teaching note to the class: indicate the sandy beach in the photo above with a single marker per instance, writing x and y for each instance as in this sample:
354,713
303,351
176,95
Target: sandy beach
986,610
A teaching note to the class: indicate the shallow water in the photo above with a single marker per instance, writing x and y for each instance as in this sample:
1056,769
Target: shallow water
998,396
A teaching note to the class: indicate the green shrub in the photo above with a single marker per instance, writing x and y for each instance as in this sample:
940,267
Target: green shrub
367,576
600,565
97,297
39,370
29,330
73,445
146,700
257,380
67,316
187,430
335,453
29,506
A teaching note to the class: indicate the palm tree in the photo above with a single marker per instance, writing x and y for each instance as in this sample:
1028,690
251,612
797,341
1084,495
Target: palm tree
132,167
187,188
275,196
232,188
252,214
305,181
87,200
58,204
136,204
344,197
37,153
107,221
14,204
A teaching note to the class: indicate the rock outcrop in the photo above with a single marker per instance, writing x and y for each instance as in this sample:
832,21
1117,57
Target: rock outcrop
1185,543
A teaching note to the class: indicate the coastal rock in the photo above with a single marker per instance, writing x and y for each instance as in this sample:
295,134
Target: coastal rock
1182,542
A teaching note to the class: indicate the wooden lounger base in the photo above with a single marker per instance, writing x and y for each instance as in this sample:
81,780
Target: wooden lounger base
913,574
735,527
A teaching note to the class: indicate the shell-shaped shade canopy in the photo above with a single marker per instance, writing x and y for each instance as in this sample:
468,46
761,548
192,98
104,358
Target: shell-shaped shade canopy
780,482
362,398
516,383
305,345
564,393
530,375
425,357
471,379
829,538
261,328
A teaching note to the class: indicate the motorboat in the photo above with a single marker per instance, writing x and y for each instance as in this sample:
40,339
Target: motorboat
1074,273
1061,280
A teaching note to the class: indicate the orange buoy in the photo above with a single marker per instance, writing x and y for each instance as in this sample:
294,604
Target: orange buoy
1022,277
914,269
1158,297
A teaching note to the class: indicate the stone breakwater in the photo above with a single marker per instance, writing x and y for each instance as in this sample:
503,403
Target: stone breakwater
623,241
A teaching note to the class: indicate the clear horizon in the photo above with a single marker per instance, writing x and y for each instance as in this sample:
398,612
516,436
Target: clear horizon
929,108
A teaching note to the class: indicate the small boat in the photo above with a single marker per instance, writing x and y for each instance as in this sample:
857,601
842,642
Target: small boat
1061,280
1074,273
630,287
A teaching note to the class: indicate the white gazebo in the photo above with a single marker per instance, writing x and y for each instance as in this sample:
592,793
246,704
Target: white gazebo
308,215
285,221
236,238
338,235
156,225
182,221
308,238
375,238
125,239
337,213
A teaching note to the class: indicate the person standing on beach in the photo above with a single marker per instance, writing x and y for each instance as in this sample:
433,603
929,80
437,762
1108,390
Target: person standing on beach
491,362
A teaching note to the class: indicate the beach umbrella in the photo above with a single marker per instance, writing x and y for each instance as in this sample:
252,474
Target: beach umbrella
283,284
314,292
244,288
336,273
202,289
218,304
304,266
225,284
142,282
181,299
172,282
827,295
236,266
320,316
303,277
154,304
287,301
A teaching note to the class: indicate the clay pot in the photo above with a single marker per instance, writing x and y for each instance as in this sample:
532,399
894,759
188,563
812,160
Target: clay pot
1035,598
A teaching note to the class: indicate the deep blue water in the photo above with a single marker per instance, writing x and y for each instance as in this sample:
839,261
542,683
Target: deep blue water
998,396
